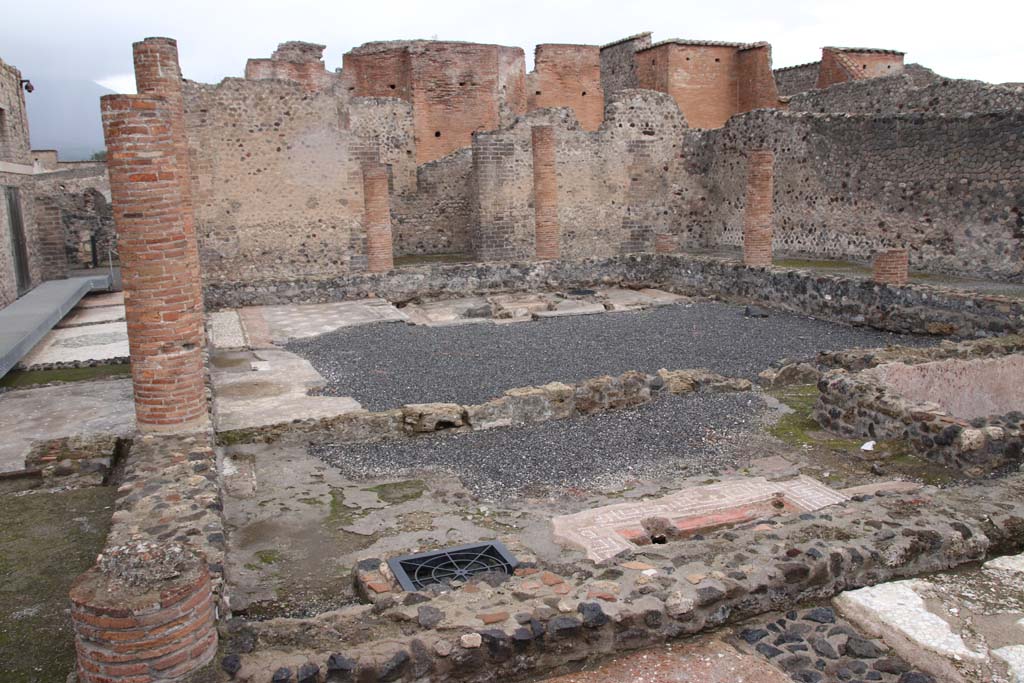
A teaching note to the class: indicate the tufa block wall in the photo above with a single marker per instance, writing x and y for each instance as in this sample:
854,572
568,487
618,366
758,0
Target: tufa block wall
568,76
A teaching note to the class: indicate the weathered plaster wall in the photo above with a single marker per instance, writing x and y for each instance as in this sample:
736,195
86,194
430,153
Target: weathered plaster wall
276,181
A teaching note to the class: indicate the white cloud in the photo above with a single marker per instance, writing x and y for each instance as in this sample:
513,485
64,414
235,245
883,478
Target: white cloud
123,84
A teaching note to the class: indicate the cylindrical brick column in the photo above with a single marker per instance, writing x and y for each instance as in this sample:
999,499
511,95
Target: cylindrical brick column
163,307
665,244
158,72
891,267
137,626
377,219
545,193
757,220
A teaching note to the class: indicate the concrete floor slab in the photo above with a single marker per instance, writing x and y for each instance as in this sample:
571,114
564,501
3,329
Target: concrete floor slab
300,321
224,330
27,415
90,315
707,660
571,307
82,344
267,387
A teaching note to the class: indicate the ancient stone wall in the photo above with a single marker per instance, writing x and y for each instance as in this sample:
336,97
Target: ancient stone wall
948,189
791,80
618,65
386,124
436,219
906,93
294,61
14,143
81,191
615,186
568,76
276,181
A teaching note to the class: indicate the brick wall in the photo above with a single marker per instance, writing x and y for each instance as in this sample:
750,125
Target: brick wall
890,267
545,193
839,65
163,303
377,219
82,192
456,88
618,65
709,81
50,230
294,61
568,76
758,209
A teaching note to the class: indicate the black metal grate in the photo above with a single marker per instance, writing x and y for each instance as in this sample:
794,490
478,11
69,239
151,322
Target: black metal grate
418,571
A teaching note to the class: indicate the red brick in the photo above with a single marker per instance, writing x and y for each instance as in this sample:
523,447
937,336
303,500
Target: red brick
757,219
545,193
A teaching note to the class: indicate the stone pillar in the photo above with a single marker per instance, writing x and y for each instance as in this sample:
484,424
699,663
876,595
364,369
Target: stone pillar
665,244
545,193
757,221
891,267
377,219
145,613
163,306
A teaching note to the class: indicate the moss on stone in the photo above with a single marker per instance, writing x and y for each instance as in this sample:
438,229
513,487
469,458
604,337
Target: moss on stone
399,491
268,556
340,514
46,540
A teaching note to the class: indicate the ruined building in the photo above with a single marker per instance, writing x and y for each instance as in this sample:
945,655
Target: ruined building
424,170
54,215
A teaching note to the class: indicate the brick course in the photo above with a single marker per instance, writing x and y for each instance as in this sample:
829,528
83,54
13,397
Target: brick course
568,76
377,219
545,193
757,221
890,267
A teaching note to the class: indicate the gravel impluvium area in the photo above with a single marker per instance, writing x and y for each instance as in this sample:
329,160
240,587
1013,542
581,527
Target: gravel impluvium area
384,366
672,437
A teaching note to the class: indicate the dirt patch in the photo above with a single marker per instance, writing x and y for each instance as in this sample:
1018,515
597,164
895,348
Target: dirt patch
46,540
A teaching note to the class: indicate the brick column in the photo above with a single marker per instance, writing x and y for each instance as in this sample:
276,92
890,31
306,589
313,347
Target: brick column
52,249
377,219
665,244
757,221
163,306
545,193
891,266
144,614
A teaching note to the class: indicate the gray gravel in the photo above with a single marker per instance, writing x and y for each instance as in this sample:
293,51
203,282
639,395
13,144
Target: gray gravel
384,366
673,436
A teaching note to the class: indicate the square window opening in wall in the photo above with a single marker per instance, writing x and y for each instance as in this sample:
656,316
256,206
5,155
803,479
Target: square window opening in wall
459,563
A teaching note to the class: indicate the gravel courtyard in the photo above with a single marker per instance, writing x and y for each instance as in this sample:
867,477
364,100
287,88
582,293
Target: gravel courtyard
384,366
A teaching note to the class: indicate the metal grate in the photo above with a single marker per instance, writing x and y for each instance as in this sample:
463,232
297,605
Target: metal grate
415,572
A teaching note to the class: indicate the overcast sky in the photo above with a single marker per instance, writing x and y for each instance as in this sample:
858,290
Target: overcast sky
92,40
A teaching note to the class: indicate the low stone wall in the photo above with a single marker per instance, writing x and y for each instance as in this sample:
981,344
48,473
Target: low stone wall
912,308
860,404
520,406
543,618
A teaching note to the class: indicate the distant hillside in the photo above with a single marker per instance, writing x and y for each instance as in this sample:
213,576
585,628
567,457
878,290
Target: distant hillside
65,115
